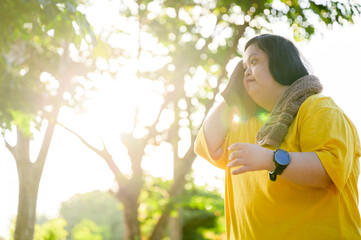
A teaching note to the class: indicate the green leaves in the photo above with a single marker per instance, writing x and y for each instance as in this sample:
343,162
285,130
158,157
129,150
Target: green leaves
201,208
51,230
35,38
96,210
87,229
22,121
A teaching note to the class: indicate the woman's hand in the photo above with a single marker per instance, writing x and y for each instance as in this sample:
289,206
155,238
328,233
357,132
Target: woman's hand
250,157
232,94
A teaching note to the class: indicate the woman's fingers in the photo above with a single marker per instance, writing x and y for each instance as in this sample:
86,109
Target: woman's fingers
236,163
240,170
236,154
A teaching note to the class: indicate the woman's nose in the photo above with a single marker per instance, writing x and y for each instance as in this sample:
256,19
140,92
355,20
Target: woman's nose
247,72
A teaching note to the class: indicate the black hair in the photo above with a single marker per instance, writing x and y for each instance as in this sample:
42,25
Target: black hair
286,64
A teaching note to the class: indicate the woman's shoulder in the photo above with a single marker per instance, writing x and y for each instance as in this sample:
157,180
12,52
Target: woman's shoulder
321,112
317,102
323,109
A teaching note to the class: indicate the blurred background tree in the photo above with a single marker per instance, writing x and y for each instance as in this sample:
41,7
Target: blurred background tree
36,79
99,207
51,230
202,209
87,230
46,229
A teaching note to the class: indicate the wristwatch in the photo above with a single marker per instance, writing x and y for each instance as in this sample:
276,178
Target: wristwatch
281,158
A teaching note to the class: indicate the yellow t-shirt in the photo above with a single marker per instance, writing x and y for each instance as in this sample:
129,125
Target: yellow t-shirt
257,208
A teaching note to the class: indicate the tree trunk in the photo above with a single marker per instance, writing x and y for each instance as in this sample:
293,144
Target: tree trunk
29,179
28,193
131,223
175,222
175,225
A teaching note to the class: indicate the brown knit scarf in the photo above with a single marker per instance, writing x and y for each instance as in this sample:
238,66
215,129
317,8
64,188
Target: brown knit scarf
282,115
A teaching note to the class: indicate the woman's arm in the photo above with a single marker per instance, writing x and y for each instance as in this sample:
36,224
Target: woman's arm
305,168
219,120
215,129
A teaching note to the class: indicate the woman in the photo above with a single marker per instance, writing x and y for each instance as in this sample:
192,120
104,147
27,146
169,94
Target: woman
293,174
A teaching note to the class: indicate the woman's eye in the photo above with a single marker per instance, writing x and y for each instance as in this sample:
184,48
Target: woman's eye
253,61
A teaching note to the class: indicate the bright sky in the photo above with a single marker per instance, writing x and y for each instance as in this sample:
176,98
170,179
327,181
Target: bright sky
71,168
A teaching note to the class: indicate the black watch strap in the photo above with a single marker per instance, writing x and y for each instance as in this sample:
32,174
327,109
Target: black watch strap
272,176
274,173
281,163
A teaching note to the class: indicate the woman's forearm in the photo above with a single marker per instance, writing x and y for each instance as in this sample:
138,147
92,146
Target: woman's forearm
306,169
216,127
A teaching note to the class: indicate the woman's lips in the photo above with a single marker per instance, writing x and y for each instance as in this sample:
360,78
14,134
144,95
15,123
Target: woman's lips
249,80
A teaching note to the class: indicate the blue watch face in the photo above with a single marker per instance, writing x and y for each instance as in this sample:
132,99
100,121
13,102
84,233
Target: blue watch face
282,157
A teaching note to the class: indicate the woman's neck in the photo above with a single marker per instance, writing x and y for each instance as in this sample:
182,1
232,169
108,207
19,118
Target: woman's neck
275,97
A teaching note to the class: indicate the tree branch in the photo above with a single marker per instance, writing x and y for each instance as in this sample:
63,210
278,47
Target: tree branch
9,147
40,161
103,154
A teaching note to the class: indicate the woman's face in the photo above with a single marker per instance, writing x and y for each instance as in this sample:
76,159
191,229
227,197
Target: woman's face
258,80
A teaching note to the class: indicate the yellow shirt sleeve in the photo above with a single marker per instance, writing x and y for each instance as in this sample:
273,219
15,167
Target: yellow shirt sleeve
201,148
326,131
